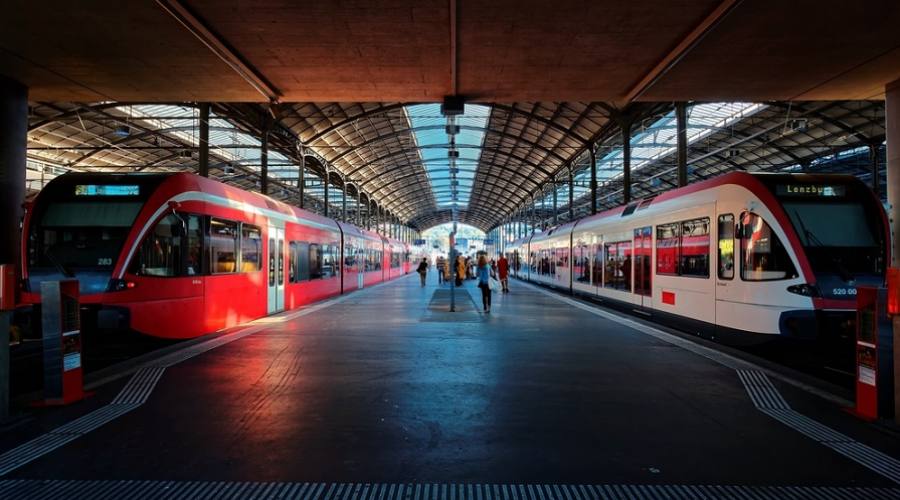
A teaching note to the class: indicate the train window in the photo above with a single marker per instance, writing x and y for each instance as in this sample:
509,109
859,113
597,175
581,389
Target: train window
223,246
618,265
349,259
194,264
336,258
597,268
315,261
763,256
301,261
292,261
173,248
329,260
694,254
667,236
582,268
643,266
251,248
726,247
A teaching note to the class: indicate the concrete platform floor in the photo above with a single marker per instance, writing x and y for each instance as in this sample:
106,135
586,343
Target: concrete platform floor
383,386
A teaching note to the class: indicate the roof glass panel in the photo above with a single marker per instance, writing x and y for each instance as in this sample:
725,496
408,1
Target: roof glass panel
429,129
659,140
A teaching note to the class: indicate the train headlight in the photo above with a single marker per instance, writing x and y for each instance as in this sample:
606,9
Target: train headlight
117,285
805,289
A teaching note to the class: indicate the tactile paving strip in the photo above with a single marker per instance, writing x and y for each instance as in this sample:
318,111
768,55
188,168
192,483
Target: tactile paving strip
99,490
135,393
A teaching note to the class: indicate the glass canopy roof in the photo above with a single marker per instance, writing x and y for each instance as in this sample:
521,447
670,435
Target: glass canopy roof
659,139
429,129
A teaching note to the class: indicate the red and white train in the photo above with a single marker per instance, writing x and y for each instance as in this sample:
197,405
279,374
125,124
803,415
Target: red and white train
741,257
178,255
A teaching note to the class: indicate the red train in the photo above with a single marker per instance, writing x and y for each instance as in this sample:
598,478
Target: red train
178,255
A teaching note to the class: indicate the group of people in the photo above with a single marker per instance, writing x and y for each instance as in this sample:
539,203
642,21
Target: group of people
490,275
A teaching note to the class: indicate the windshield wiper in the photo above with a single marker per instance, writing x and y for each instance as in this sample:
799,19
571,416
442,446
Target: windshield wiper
59,266
810,236
815,241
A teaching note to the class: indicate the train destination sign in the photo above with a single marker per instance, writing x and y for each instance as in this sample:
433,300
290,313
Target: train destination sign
107,190
811,190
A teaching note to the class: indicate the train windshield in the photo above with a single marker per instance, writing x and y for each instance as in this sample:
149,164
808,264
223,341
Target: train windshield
71,236
837,235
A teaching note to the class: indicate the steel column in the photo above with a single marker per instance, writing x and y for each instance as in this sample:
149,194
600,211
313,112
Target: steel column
344,200
626,161
301,180
873,163
358,218
204,140
593,153
681,132
555,204
571,192
326,179
264,160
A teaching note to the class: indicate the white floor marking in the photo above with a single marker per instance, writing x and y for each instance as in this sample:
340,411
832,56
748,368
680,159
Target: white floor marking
141,385
763,394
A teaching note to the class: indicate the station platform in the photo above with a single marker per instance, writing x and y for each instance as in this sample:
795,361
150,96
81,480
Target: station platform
385,394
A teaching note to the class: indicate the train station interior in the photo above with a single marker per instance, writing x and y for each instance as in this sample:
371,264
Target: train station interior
450,249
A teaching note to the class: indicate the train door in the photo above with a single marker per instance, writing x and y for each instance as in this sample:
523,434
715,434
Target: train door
727,291
643,268
362,255
276,269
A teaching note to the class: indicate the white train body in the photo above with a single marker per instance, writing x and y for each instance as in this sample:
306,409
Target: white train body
743,256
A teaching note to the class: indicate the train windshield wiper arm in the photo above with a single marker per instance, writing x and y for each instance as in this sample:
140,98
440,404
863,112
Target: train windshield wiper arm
59,266
815,241
810,236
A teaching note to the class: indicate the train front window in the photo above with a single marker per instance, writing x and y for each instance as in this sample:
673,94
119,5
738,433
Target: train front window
81,235
763,255
836,235
172,248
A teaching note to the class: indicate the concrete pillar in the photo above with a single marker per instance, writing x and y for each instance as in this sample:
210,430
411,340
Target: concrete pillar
13,143
681,133
892,125
626,162
593,153
203,168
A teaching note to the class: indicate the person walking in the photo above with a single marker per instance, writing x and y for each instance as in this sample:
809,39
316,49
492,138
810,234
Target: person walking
503,273
441,264
423,269
460,270
483,274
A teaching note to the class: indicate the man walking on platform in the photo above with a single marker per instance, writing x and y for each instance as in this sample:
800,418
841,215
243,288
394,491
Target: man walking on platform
441,264
503,273
423,269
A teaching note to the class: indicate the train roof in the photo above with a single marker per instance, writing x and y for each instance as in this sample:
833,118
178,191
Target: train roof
751,180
